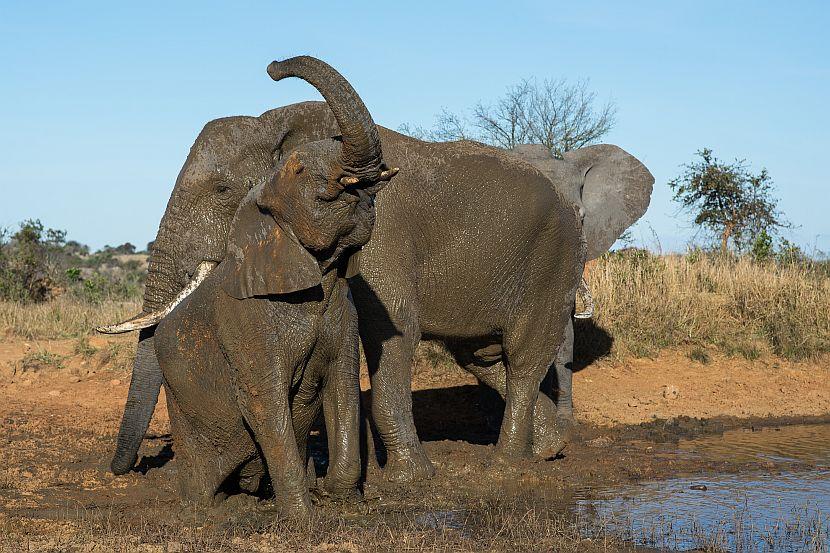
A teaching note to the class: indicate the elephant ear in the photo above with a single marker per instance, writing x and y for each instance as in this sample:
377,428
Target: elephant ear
616,192
264,258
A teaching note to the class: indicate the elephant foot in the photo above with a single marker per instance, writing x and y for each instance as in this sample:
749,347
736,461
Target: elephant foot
293,509
408,466
550,440
345,501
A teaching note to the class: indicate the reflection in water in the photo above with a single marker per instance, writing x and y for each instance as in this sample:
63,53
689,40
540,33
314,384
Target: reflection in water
789,511
807,443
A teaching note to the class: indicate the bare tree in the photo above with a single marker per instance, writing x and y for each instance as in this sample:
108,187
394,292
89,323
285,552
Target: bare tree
560,115
448,126
508,122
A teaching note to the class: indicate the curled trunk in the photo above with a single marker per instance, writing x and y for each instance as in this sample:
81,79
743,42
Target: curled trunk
361,156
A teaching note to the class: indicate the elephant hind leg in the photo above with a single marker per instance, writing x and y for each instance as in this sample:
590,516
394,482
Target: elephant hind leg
548,438
204,471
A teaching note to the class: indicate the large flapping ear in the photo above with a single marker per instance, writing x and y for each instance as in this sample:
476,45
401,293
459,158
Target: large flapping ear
616,192
263,258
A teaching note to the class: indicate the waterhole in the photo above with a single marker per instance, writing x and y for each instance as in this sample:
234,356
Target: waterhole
785,508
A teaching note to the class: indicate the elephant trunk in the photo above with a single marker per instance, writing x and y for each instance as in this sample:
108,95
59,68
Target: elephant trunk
361,157
141,402
161,295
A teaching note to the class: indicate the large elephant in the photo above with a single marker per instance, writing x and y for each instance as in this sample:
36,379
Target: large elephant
485,245
271,333
612,190
229,157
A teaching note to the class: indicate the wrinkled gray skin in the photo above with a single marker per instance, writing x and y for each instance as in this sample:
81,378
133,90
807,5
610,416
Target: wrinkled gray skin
486,257
611,196
228,158
271,333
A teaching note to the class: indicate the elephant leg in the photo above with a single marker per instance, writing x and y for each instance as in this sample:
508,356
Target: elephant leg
341,408
203,469
548,437
390,348
562,388
268,414
529,351
305,406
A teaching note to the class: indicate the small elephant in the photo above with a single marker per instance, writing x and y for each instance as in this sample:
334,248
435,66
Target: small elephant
612,190
271,333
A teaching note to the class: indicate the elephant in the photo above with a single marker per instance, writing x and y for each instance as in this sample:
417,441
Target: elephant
229,157
468,239
271,332
611,197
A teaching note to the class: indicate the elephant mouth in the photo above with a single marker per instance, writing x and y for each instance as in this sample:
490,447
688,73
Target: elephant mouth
146,320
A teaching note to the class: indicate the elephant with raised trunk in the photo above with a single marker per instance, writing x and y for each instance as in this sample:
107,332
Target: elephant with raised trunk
271,333
474,247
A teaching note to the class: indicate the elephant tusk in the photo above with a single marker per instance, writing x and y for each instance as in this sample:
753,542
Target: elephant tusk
145,320
389,173
587,301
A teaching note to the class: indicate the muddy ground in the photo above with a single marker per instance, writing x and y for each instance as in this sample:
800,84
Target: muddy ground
61,401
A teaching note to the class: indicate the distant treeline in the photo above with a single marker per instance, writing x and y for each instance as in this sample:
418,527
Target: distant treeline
38,264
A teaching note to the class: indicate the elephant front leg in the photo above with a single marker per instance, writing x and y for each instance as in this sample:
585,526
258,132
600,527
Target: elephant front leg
268,414
341,408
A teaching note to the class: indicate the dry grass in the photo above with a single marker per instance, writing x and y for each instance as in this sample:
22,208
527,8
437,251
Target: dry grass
64,317
499,525
645,302
648,303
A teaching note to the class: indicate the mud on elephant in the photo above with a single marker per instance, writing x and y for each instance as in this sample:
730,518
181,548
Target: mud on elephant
612,190
271,334
473,247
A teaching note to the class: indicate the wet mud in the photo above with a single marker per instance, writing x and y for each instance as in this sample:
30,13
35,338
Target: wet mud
57,434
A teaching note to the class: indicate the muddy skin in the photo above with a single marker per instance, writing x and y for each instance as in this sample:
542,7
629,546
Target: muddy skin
270,337
608,205
512,291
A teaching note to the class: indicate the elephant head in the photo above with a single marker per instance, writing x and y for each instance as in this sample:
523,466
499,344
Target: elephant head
611,187
318,207
229,157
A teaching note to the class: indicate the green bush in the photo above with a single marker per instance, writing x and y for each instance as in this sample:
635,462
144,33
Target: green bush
37,264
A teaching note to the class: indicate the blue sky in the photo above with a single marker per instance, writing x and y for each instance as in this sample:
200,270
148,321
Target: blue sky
99,103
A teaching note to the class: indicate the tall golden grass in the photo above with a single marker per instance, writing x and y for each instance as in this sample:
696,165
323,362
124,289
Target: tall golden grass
645,302
64,317
736,305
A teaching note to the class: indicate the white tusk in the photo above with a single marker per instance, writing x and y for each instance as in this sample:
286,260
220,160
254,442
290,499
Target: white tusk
587,301
388,174
145,320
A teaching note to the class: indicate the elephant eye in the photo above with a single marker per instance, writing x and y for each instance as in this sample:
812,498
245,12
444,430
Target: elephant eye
222,188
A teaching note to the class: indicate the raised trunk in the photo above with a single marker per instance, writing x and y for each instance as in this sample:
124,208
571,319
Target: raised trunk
361,155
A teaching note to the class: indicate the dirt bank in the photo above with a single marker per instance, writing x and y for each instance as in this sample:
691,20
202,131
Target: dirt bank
60,404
